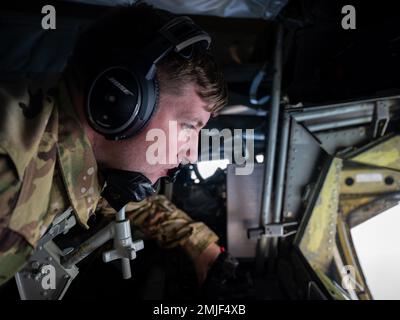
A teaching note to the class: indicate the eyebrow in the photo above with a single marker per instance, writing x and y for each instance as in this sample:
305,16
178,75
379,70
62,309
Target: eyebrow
197,120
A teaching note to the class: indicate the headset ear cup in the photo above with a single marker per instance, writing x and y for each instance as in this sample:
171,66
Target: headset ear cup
148,107
113,102
156,100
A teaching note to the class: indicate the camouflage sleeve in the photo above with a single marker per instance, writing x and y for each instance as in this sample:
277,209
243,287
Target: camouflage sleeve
161,220
14,249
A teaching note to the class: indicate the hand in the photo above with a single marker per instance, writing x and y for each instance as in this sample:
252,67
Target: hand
205,260
226,281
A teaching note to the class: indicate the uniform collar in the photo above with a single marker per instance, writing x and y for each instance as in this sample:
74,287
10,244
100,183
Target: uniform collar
24,118
76,159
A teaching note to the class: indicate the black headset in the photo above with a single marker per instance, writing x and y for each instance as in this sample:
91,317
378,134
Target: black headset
123,97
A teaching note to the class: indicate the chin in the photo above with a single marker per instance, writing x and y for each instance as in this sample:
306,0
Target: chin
156,176
153,179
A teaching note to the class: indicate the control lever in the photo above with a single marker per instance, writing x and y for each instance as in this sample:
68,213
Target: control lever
124,248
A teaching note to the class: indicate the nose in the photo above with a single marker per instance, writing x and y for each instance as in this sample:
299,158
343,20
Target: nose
189,151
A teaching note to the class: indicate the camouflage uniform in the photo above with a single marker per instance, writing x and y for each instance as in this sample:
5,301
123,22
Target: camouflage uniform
47,165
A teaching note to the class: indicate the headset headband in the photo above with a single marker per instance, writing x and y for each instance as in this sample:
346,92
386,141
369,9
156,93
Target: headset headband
177,34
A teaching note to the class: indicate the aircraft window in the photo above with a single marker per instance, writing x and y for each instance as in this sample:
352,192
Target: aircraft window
207,168
375,244
349,235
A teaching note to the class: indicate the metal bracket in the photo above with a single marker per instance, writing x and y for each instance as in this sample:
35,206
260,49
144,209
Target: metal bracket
43,277
49,272
273,230
381,118
61,224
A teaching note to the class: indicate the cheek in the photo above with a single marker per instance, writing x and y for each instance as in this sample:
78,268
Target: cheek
187,139
182,137
135,152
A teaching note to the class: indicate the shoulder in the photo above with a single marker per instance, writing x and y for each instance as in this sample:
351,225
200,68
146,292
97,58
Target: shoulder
27,115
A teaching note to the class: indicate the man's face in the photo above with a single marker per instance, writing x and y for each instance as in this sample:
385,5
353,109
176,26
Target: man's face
172,136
